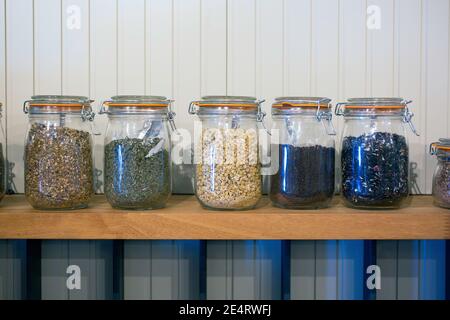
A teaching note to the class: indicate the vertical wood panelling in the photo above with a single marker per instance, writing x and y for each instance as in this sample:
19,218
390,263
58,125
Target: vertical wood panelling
303,270
432,270
352,49
325,48
131,47
3,71
351,271
12,269
408,80
387,254
219,270
264,48
408,270
95,261
187,77
380,49
244,270
297,47
159,50
161,270
213,47
241,69
19,77
54,263
326,270
103,64
436,46
75,47
47,47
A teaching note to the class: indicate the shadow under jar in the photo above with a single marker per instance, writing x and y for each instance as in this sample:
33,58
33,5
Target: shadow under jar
58,152
226,155
137,163
375,152
3,162
303,161
441,177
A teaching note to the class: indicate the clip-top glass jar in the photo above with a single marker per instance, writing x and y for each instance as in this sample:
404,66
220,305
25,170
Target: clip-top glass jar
305,155
228,170
137,161
58,152
441,178
375,152
3,163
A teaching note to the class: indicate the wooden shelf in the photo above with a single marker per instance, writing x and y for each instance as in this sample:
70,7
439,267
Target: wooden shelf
185,219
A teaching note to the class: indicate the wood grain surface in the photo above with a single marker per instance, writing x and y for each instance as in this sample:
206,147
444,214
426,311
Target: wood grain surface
185,219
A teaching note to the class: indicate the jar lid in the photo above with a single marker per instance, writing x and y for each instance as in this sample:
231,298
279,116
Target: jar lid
359,105
125,104
442,145
232,102
299,104
56,104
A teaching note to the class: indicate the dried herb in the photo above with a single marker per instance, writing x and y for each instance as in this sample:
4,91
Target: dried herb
137,173
305,178
441,183
2,173
375,170
58,167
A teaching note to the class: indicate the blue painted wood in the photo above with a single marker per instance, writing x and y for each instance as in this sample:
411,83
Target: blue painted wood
408,270
326,270
447,269
432,270
370,258
351,270
12,269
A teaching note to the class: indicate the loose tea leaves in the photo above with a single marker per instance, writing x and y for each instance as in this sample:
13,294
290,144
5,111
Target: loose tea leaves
228,175
441,184
58,167
2,173
375,170
137,173
305,178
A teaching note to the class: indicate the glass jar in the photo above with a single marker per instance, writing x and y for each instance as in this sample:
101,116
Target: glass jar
441,177
137,169
227,165
375,152
304,158
3,163
58,152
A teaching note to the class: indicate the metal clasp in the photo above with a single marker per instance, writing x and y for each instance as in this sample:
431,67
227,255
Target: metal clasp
103,109
88,115
433,149
260,115
26,108
171,117
338,109
192,109
327,116
408,117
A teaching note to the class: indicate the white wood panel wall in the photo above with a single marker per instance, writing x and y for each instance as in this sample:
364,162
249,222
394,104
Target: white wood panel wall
185,49
188,48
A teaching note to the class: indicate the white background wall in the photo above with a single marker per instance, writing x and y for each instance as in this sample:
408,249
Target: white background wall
266,48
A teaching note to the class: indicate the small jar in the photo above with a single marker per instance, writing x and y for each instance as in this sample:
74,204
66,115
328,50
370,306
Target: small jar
375,152
3,163
304,158
441,178
58,152
137,165
227,166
